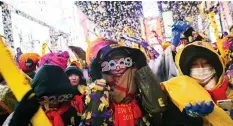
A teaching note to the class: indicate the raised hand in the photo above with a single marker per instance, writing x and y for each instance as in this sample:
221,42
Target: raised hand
200,109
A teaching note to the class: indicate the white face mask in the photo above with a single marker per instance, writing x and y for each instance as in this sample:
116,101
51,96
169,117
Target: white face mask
203,75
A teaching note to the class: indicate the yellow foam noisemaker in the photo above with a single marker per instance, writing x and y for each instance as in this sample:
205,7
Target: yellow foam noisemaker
44,48
184,89
18,83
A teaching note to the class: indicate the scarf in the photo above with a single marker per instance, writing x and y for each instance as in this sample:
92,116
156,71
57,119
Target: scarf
55,115
126,111
126,114
219,93
77,103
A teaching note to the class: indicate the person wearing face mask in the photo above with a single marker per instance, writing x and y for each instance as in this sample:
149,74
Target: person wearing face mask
78,83
128,75
201,62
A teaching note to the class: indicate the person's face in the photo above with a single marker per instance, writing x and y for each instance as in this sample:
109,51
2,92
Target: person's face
74,79
200,63
118,71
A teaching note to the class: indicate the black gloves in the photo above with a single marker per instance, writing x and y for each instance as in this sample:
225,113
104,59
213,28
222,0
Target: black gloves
139,59
95,70
25,110
174,55
189,32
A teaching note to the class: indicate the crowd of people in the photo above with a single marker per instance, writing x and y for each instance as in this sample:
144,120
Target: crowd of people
188,84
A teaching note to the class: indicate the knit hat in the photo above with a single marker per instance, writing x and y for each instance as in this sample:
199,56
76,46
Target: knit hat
28,62
59,58
192,52
51,80
75,70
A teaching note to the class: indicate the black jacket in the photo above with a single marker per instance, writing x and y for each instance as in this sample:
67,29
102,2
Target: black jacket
173,117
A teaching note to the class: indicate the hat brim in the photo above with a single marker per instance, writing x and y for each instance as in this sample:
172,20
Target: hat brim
73,71
102,56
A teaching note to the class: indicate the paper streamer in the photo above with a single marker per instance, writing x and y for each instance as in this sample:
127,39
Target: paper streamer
129,32
219,41
201,9
214,25
18,83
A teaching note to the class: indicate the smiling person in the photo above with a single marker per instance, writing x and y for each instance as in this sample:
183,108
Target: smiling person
126,71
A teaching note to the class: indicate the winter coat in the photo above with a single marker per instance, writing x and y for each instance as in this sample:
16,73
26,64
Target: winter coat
216,61
187,54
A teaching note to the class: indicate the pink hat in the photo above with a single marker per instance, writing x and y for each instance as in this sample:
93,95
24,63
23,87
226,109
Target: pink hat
59,58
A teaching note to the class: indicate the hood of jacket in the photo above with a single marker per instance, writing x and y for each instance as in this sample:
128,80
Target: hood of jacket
187,55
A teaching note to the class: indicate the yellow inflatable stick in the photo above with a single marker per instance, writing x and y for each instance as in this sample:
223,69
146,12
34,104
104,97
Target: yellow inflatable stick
44,48
184,89
18,83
